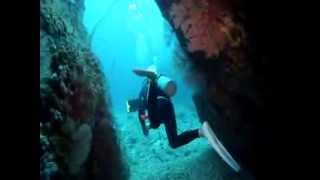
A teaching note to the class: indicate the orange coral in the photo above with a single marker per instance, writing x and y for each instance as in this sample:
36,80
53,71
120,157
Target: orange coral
208,26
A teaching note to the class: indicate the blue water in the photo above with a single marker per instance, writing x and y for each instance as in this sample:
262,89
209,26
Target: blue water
132,34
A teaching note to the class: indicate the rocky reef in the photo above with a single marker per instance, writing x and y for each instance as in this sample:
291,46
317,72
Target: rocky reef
218,53
78,139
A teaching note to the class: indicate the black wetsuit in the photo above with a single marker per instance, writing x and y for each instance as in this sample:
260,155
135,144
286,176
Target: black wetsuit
160,110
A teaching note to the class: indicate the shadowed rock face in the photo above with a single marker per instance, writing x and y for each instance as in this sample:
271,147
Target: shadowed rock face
220,54
77,135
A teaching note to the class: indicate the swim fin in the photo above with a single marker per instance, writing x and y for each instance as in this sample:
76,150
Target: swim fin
218,147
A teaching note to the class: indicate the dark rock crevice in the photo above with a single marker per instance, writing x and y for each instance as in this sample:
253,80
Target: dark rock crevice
220,45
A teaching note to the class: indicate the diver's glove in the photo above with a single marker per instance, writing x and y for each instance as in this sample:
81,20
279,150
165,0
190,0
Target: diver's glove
144,124
145,129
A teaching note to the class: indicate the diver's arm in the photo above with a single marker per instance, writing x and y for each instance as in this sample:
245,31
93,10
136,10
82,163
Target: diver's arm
147,96
146,73
142,108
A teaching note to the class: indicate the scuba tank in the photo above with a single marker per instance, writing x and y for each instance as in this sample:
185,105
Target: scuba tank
163,82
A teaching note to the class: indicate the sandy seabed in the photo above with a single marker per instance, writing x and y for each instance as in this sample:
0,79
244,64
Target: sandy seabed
151,157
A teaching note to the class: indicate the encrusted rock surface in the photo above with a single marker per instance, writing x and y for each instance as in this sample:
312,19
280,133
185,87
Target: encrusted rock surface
217,54
76,125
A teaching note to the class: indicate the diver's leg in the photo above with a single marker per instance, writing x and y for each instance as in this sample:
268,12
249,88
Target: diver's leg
175,140
169,121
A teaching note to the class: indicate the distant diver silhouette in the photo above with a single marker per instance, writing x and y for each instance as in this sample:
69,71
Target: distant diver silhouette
154,98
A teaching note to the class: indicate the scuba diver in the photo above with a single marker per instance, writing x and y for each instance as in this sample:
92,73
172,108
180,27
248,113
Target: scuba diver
154,108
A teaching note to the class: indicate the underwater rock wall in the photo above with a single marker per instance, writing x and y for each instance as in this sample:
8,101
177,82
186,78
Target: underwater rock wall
77,134
216,52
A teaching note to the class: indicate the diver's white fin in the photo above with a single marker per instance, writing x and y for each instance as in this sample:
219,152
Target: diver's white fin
218,147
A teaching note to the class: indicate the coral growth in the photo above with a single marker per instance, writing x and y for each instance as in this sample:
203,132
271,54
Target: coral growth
209,27
48,166
101,151
73,81
81,142
52,22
